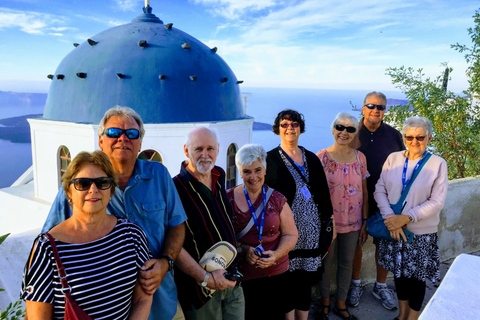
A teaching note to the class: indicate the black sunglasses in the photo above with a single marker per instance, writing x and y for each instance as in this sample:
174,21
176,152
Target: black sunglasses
294,125
117,133
82,184
419,138
341,127
372,106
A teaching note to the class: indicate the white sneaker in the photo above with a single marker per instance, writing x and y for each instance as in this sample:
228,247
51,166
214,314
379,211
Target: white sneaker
354,294
386,296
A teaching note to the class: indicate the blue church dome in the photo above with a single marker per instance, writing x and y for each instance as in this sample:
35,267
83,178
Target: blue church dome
164,74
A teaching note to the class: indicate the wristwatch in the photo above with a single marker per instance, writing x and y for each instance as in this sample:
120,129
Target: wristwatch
170,261
205,280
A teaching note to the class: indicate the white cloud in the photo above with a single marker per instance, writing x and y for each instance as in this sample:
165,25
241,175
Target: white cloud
128,5
236,9
28,21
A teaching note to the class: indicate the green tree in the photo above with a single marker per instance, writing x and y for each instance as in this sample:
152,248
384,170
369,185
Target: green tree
455,118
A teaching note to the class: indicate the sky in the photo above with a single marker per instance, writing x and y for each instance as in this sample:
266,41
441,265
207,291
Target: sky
323,44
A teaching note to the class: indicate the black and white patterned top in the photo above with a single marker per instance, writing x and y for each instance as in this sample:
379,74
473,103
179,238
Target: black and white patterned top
101,273
307,220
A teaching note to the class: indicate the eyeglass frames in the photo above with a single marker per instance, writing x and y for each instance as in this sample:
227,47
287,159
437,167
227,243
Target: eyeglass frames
372,106
341,127
102,183
117,133
294,125
419,138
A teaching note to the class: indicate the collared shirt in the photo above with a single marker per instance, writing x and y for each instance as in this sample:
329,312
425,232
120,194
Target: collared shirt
377,146
151,201
208,222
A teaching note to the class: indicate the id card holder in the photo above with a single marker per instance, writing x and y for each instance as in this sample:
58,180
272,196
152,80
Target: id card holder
306,193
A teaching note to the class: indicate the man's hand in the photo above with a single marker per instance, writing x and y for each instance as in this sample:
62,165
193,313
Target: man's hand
218,282
152,274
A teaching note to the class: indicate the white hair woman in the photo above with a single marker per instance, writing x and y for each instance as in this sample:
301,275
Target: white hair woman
265,232
346,172
412,263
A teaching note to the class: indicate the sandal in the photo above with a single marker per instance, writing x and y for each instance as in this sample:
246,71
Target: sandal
323,315
338,313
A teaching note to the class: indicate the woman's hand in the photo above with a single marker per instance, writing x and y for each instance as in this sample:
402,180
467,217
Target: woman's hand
396,221
250,255
398,235
363,234
267,262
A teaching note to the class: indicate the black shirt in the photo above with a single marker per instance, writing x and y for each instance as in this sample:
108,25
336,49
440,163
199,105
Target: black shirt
377,146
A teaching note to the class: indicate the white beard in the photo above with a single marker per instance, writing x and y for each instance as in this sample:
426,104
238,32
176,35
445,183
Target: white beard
204,165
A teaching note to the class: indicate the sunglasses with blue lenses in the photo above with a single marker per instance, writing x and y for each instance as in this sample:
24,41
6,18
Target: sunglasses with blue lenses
117,133
341,127
372,106
83,184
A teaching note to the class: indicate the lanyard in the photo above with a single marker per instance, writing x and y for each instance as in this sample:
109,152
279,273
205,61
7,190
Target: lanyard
262,220
406,181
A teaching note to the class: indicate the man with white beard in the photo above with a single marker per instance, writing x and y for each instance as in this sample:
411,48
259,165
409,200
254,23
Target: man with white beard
201,187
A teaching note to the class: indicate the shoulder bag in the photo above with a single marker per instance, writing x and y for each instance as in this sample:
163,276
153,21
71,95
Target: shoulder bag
72,310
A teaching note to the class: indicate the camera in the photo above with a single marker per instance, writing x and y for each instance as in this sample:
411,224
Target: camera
234,275
258,250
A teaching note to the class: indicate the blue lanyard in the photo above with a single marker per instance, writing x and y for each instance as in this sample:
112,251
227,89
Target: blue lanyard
262,220
302,168
405,181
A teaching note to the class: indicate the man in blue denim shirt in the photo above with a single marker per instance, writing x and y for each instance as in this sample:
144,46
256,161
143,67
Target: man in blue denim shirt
145,195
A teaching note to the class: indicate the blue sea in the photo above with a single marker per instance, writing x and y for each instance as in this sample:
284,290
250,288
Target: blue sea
318,106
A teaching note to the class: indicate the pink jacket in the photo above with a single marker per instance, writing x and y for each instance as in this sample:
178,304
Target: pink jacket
427,194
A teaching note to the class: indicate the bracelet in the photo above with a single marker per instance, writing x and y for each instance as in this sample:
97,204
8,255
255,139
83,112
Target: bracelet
364,219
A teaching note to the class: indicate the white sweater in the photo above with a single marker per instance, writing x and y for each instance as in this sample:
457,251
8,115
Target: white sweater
427,194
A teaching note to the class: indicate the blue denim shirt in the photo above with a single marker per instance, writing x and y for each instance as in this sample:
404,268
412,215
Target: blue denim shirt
151,201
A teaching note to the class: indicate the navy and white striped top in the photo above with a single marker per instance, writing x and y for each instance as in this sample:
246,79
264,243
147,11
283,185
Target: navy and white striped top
101,273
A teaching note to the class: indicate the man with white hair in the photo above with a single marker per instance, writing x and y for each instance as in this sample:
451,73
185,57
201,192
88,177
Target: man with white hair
201,187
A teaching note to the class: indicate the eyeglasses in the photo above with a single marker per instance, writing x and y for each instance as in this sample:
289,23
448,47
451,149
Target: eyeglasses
82,184
294,125
419,138
372,106
341,127
117,133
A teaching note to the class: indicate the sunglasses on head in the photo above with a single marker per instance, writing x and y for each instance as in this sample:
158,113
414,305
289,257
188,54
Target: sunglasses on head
117,133
293,124
341,127
372,106
419,138
82,184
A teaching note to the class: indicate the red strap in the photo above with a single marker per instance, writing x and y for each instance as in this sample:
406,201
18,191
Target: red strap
61,269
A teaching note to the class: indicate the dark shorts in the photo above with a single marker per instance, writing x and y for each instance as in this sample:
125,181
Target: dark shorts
299,294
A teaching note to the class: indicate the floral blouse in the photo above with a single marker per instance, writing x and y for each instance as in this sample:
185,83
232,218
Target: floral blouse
345,185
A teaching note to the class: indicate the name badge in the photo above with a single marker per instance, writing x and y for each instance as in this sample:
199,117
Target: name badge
306,192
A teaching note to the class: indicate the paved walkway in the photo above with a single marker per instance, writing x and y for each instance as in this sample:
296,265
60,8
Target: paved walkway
371,309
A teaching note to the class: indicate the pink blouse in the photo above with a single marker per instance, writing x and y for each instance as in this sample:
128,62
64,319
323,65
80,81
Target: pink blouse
345,185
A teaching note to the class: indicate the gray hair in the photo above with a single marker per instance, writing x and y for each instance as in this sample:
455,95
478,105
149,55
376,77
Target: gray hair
250,153
344,116
375,94
191,133
119,111
417,122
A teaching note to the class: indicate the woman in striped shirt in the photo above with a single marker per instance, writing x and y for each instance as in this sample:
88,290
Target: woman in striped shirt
102,255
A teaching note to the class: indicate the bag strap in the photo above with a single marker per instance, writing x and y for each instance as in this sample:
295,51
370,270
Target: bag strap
258,212
60,268
294,165
414,176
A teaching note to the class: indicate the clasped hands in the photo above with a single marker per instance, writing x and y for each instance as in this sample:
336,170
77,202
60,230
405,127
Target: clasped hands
395,224
260,262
